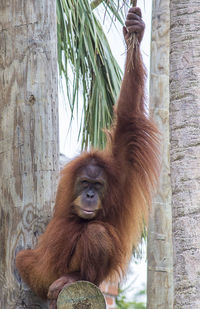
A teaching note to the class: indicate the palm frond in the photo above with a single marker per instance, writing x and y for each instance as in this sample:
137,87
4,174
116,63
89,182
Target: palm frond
95,75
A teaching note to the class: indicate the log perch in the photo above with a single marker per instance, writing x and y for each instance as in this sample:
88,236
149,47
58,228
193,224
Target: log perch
81,295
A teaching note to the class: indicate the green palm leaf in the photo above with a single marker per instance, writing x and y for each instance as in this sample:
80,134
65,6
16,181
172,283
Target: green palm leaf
84,50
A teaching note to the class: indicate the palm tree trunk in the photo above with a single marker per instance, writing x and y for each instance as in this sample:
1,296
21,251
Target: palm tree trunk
185,150
28,136
159,248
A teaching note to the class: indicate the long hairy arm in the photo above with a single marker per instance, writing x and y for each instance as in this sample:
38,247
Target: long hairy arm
134,137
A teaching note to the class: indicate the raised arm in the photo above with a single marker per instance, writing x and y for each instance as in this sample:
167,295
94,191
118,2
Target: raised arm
134,136
131,98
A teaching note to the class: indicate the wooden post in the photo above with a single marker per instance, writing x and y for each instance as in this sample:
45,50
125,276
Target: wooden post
159,244
81,295
29,152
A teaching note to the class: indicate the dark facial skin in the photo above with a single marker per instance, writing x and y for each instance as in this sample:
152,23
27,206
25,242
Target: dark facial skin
89,191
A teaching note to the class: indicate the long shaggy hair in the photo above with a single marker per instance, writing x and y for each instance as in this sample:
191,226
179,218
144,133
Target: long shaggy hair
101,247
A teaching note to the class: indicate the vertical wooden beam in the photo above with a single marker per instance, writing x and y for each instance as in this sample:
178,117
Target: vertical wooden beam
160,256
28,135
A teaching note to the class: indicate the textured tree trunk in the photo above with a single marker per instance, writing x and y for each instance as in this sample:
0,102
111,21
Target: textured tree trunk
28,135
185,150
159,251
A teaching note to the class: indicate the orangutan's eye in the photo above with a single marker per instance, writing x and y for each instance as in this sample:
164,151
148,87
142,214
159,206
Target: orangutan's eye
84,183
98,185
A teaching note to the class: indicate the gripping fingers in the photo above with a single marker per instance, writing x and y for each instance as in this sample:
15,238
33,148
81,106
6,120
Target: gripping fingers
56,287
134,29
136,10
130,23
133,16
53,304
134,24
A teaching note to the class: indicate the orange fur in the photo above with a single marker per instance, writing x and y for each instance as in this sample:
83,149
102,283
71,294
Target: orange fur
99,248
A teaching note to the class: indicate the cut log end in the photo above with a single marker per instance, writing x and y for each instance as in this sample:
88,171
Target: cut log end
81,295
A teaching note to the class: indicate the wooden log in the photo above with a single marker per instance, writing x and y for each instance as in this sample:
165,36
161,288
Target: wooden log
81,295
29,147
